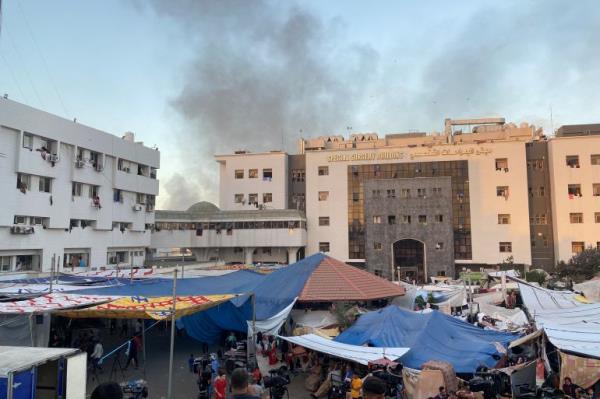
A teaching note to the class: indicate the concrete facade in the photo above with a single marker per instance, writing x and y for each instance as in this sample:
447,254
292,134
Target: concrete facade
71,191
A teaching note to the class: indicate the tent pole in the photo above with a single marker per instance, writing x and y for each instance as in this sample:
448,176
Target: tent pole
253,337
144,344
172,334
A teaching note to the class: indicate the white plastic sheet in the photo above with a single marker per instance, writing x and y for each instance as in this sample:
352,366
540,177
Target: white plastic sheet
358,354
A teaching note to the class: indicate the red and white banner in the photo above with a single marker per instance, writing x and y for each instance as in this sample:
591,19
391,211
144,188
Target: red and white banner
51,302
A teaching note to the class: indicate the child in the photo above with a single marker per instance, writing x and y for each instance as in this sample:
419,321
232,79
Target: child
220,385
191,362
355,386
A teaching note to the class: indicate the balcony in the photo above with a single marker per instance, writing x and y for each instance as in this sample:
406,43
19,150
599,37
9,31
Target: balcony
24,230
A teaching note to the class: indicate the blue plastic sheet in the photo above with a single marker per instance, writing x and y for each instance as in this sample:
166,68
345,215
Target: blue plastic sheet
430,336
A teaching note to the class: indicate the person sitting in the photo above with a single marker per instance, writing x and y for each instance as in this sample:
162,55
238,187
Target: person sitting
568,387
239,385
107,390
373,388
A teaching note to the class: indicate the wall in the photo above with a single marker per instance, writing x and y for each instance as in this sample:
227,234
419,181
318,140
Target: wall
229,185
60,206
561,176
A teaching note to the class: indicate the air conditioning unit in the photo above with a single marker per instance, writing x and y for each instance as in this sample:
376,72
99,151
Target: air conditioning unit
79,163
52,158
506,169
137,207
22,230
99,167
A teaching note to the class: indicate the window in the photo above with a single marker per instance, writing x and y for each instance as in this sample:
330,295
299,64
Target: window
437,191
76,189
323,195
439,218
298,175
502,164
323,247
253,173
298,200
267,174
535,164
376,219
595,159
421,192
94,191
323,170
28,141
538,219
377,246
502,191
405,193
577,247
23,182
391,219
406,219
45,184
439,246
541,191
596,189
238,198
267,197
576,217
503,218
117,195
573,161
597,217
5,263
574,190
355,197
422,219
36,220
239,173
323,220
391,193
20,220
506,247
252,199
376,193
140,198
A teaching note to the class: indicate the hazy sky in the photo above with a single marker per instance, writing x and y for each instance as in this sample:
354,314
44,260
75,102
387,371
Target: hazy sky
199,77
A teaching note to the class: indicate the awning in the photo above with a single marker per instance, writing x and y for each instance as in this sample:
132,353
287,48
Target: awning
52,302
157,308
525,339
354,353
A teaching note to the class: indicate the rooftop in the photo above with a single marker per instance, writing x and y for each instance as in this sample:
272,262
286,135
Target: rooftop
207,211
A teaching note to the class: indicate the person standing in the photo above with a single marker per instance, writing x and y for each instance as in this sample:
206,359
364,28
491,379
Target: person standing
97,354
132,352
373,388
220,385
239,385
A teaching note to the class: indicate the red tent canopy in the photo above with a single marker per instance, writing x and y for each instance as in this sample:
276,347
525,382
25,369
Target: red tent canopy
334,280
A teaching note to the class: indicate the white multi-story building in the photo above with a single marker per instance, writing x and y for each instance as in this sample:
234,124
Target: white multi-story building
71,194
481,193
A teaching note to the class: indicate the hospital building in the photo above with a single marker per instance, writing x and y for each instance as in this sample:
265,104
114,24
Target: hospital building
480,193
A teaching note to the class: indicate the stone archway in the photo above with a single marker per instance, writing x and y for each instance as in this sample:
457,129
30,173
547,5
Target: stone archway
409,259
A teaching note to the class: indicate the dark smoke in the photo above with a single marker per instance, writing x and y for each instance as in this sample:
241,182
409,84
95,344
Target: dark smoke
263,72
261,75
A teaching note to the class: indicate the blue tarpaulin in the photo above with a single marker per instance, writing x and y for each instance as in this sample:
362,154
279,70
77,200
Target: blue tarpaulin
430,336
273,293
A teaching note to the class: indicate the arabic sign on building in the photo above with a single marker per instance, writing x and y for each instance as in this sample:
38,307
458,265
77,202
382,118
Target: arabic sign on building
391,155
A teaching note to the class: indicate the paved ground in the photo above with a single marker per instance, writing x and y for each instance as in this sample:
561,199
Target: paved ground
157,367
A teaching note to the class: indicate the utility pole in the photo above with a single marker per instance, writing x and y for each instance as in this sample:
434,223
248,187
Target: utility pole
172,334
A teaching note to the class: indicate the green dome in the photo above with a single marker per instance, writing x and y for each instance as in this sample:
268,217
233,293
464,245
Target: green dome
203,207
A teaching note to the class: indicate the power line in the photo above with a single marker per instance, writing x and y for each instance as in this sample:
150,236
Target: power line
14,77
41,53
25,70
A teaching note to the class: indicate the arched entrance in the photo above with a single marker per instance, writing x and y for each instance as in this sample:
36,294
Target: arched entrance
409,259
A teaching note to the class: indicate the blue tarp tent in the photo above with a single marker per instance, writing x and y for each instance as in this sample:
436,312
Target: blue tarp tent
273,293
430,336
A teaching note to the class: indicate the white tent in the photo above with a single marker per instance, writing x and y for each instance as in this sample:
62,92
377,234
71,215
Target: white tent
358,354
569,324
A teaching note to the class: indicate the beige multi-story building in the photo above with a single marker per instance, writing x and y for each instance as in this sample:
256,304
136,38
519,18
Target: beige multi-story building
480,193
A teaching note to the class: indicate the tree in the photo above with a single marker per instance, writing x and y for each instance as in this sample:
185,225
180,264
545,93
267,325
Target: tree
582,266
